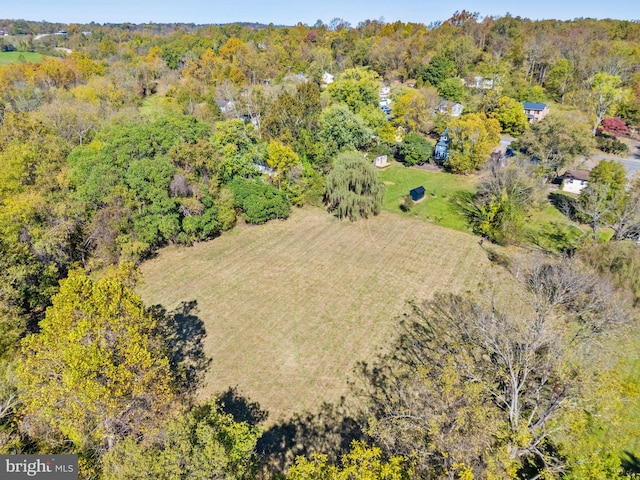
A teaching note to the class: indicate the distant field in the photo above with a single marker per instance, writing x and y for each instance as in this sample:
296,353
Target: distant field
438,206
16,57
291,306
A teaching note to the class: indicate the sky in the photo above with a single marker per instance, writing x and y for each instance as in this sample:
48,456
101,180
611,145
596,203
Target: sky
290,12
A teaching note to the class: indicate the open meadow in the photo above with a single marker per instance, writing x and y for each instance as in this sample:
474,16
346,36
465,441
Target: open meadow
7,58
289,307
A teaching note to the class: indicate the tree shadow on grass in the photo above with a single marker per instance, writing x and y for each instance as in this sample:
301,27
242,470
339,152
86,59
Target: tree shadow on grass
184,334
630,463
241,408
329,431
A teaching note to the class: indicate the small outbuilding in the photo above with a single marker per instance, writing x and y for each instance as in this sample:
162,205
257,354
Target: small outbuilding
417,193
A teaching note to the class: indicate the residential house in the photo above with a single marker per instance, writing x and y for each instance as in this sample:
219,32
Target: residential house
574,181
327,78
535,111
440,152
450,108
480,83
226,106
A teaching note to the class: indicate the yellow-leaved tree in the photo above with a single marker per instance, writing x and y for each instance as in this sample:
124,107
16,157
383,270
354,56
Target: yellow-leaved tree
96,371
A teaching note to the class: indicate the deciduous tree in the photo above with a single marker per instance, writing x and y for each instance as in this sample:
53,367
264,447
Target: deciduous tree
205,443
474,385
341,129
353,189
96,371
473,137
511,116
555,142
415,149
605,92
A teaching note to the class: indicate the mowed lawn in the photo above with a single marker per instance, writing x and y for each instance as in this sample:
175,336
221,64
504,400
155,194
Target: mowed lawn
439,203
16,57
291,306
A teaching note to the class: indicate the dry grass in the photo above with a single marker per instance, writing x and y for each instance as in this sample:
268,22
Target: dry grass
291,306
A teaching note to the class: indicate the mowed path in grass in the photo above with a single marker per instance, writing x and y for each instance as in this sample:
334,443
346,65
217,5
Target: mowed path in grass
291,306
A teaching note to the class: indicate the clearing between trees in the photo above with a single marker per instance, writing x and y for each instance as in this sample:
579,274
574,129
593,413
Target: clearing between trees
289,307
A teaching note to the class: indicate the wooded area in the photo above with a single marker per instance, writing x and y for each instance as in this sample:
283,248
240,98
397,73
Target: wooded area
119,140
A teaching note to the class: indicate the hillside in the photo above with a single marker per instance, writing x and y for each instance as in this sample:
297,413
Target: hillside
289,307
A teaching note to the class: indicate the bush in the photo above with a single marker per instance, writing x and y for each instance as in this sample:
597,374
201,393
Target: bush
408,204
259,201
609,144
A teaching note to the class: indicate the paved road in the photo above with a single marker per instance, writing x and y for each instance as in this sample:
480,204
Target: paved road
631,162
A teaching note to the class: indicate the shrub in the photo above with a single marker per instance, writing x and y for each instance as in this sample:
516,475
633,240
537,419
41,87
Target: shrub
259,201
610,144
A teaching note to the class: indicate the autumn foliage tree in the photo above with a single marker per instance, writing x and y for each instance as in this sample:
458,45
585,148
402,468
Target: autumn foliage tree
473,137
615,126
473,385
96,372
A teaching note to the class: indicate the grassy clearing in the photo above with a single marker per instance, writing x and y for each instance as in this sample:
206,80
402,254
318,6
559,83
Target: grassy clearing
553,231
291,306
438,206
7,58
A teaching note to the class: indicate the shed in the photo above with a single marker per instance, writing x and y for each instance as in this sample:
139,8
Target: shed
417,193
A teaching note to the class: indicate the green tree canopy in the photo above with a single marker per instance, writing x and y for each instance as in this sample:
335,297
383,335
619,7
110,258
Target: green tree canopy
555,142
341,129
511,116
606,91
361,463
452,89
353,189
355,87
415,149
611,173
439,68
205,443
258,200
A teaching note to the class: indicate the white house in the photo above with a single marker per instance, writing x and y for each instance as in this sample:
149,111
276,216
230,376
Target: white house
574,181
450,108
327,78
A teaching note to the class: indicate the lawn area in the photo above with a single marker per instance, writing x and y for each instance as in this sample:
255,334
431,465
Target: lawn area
552,230
289,307
438,206
17,57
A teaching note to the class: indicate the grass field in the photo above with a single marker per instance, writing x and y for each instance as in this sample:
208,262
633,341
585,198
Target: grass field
17,57
289,307
438,206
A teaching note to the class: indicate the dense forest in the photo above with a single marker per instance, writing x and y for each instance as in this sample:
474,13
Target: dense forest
122,139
